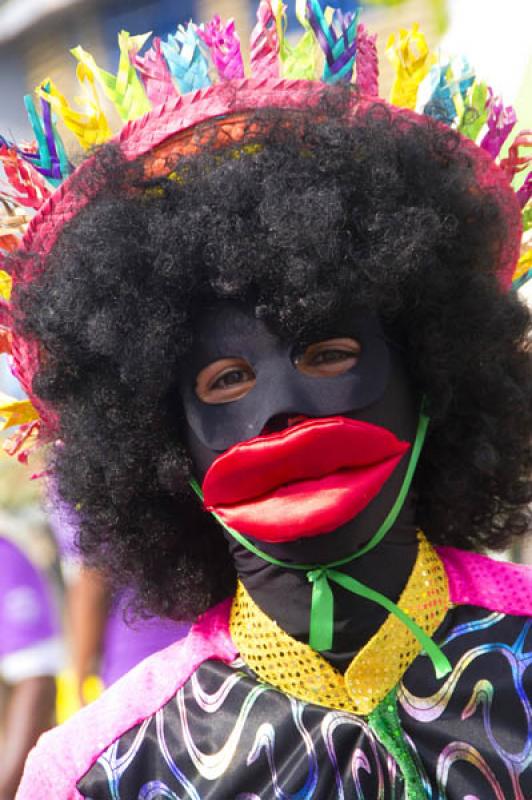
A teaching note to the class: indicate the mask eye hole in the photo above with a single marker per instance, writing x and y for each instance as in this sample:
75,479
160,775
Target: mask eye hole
329,358
225,380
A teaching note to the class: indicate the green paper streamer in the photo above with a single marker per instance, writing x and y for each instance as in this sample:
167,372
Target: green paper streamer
476,112
38,132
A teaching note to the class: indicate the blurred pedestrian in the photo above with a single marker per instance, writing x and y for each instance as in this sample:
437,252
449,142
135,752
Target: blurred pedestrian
31,655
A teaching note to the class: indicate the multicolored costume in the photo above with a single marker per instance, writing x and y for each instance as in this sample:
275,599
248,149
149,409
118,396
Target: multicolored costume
293,731
280,297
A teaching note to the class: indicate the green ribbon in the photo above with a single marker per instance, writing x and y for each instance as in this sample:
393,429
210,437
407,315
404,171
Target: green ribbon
320,575
321,618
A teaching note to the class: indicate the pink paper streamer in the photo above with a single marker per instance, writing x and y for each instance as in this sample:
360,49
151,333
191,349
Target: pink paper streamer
265,43
224,45
367,63
519,159
155,74
525,192
501,121
31,188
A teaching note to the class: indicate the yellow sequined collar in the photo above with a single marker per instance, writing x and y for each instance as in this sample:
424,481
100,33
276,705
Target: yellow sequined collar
294,668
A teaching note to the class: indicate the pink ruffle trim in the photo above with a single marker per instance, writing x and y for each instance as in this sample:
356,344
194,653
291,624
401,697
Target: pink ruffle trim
480,581
65,754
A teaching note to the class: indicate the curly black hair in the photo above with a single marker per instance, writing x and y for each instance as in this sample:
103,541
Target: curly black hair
309,214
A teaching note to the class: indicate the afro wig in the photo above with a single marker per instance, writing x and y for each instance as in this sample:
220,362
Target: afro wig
307,216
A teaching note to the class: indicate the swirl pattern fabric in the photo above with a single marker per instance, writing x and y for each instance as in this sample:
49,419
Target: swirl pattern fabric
227,735
264,744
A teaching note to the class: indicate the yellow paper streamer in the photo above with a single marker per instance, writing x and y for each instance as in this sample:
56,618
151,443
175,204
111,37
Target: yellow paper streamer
16,412
298,61
6,284
525,261
411,59
124,89
90,125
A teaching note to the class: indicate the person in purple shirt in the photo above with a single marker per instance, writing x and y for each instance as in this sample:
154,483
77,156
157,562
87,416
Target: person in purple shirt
31,655
105,638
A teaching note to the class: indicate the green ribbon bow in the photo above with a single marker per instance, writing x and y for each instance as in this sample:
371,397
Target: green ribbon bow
320,575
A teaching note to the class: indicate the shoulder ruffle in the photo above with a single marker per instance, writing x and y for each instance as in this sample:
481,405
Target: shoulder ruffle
481,581
63,755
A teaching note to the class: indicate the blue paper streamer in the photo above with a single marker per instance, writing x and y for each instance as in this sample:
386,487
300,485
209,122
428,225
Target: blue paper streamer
337,40
50,160
187,62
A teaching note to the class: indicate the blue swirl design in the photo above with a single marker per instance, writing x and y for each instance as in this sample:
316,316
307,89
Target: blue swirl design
212,765
330,723
156,790
172,766
428,709
473,627
470,734
265,739
334,744
460,751
115,766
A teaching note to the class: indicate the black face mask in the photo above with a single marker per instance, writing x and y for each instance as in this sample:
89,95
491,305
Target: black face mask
376,390
281,390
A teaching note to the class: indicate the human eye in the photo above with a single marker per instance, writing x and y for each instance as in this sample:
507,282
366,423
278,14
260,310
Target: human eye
329,358
225,380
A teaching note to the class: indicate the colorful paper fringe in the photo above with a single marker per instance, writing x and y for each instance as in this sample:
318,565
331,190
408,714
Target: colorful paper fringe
442,94
155,75
411,59
49,155
89,126
186,59
501,122
23,441
14,220
224,45
517,161
5,285
525,192
367,63
124,89
15,412
31,189
264,58
337,39
298,61
476,110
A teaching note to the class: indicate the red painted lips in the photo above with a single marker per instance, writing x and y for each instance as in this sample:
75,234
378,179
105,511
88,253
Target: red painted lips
308,479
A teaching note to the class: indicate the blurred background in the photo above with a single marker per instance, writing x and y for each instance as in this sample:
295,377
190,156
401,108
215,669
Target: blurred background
68,635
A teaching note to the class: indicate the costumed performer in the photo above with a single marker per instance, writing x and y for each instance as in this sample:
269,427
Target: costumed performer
269,334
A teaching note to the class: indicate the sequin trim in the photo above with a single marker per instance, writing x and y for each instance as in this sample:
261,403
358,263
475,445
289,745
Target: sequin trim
294,668
385,723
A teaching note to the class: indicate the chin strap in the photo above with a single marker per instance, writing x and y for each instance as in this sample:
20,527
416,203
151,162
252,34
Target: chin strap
320,575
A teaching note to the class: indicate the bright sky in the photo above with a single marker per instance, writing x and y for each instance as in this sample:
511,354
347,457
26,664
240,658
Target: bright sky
497,39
